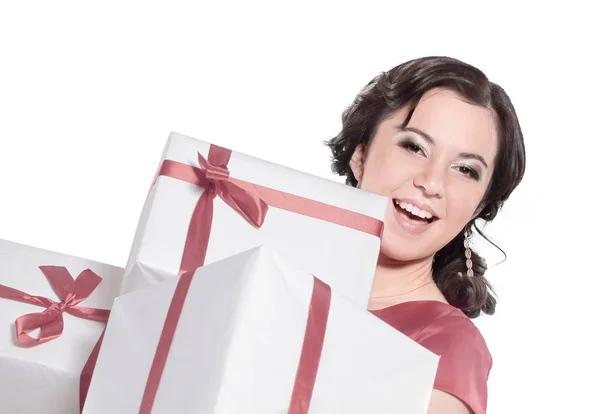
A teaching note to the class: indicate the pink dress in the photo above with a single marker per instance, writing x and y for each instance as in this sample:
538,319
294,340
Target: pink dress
465,361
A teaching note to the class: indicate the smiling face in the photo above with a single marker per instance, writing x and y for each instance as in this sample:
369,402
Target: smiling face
435,171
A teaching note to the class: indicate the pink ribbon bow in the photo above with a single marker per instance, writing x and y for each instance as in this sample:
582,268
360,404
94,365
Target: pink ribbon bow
249,205
50,321
250,200
213,175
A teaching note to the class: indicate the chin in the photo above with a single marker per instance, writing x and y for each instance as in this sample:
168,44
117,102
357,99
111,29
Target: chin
399,251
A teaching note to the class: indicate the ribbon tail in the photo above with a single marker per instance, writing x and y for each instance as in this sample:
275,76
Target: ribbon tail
246,203
85,378
85,284
196,243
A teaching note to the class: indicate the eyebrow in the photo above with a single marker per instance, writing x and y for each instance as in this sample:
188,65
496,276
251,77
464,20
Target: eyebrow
430,140
417,131
472,156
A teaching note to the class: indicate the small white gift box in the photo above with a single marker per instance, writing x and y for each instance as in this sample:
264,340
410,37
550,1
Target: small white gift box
254,334
53,308
209,203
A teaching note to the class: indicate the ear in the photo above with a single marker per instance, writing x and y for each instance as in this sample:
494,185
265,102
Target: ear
357,162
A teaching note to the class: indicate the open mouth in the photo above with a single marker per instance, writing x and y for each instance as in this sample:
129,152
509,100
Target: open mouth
413,213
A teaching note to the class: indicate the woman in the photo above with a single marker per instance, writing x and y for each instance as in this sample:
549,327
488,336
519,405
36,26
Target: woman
444,144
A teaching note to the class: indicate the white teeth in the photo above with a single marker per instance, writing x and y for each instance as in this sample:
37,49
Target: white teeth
413,209
424,214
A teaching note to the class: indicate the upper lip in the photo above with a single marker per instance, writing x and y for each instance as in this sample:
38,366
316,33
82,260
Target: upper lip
419,205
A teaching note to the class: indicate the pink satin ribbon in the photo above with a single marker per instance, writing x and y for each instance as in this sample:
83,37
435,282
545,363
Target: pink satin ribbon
310,356
314,338
214,177
85,378
165,341
251,201
50,321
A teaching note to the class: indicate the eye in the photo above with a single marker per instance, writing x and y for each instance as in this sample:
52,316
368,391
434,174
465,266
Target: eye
469,172
412,147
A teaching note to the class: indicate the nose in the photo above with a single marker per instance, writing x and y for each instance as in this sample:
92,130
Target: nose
431,180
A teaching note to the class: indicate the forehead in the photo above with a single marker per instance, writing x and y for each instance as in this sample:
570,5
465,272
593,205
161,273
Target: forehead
453,123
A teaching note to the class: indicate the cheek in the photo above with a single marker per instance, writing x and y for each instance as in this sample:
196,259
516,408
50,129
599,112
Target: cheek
462,202
386,172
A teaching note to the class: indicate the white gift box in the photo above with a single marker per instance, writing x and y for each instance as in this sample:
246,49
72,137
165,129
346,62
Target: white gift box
342,256
229,339
44,378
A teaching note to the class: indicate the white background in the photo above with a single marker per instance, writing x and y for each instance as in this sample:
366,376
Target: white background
90,90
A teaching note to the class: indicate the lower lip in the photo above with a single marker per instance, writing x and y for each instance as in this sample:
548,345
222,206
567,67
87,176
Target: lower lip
410,226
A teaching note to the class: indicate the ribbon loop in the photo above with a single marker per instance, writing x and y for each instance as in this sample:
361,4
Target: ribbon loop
50,321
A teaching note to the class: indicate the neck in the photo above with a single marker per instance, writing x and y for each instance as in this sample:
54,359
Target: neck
396,282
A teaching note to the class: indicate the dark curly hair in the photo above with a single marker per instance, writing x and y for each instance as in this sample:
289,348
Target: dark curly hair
403,86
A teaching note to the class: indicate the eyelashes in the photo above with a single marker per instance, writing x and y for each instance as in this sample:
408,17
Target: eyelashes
469,171
417,149
412,147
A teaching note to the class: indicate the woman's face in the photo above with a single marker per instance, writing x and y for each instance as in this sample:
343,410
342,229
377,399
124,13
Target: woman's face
435,172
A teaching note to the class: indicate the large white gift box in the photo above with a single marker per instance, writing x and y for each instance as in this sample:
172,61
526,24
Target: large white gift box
53,308
254,334
324,227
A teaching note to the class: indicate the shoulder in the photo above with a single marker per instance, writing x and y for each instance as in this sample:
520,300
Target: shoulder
449,331
438,326
465,361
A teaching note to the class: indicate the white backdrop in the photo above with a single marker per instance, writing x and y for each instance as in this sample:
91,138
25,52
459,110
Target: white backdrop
89,92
